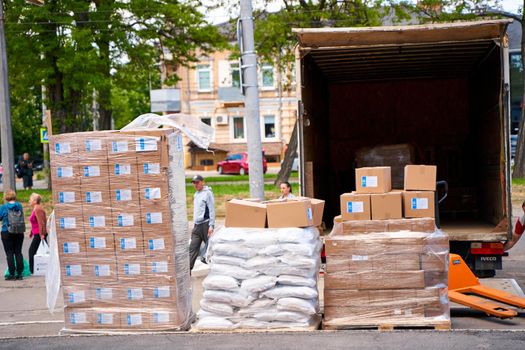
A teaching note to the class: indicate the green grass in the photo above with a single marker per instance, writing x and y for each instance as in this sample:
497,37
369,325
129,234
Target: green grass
518,181
23,197
234,178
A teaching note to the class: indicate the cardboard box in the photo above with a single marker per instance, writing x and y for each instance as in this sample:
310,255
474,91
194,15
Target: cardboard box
376,244
126,220
156,221
162,319
73,270
134,320
387,206
151,169
105,294
317,209
434,261
93,146
365,315
241,213
131,269
375,280
77,295
420,178
95,172
419,204
129,244
69,222
66,174
290,213
157,243
78,318
356,263
107,319
385,298
355,206
123,170
161,293
102,268
393,225
72,245
97,219
373,180
67,197
160,267
125,196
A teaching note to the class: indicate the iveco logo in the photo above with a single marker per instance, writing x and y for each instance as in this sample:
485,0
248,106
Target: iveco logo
488,258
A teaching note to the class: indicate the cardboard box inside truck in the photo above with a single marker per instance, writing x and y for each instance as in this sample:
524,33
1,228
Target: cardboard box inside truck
419,204
373,180
420,177
386,206
290,213
355,206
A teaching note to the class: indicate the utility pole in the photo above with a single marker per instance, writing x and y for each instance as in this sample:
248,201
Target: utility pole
6,134
251,99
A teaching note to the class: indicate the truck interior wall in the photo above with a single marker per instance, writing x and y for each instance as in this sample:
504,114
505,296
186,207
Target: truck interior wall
316,127
450,122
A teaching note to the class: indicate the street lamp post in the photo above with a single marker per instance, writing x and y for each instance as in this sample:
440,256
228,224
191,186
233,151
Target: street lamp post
6,133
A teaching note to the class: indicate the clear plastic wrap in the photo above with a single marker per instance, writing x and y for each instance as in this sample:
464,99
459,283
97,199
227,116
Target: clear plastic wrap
121,229
292,254
397,276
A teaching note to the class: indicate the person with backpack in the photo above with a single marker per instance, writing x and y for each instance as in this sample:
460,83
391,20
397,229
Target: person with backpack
38,227
13,229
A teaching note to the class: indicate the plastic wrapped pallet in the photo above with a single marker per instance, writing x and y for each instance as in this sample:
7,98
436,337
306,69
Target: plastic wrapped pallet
261,279
121,229
397,277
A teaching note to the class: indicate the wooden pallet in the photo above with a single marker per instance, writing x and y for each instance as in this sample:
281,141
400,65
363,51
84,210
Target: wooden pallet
314,325
386,326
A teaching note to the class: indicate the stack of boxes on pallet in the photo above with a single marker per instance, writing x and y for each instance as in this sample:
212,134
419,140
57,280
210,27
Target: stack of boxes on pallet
122,242
263,267
386,261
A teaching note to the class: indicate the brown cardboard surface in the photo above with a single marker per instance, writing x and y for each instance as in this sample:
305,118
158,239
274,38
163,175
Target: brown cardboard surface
356,263
74,269
67,174
93,146
394,225
126,220
317,209
97,219
96,199
434,261
386,206
125,196
375,280
418,204
77,295
241,213
123,170
131,269
420,178
69,221
107,318
129,244
355,206
94,172
158,243
359,313
102,269
104,294
385,297
72,245
100,245
160,267
290,213
78,318
373,180
375,244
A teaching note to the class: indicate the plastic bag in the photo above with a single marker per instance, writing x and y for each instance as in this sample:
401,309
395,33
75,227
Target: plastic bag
278,270
41,259
272,250
256,306
233,271
291,292
307,307
214,322
220,309
298,261
291,280
232,298
296,235
281,316
258,284
53,267
260,261
234,250
228,260
217,282
25,273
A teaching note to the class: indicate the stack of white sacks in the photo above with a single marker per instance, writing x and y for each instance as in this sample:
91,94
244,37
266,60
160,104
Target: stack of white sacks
261,278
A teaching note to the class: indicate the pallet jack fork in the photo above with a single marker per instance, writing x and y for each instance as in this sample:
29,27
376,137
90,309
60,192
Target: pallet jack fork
463,284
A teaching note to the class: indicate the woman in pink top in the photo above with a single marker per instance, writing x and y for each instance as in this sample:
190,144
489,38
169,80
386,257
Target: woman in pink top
38,226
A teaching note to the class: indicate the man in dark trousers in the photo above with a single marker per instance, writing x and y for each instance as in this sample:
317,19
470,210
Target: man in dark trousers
203,217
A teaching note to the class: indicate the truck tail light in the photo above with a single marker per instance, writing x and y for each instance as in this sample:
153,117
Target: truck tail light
479,248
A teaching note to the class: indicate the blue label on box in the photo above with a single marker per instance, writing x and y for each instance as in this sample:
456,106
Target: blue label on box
130,297
414,203
91,239
148,193
146,168
68,270
97,271
62,223
117,169
59,171
66,248
88,197
350,209
88,146
114,146
119,220
118,195
363,181
156,292
126,272
123,243
57,148
86,171
309,213
91,223
71,298
150,244
129,320
61,197
141,144
148,218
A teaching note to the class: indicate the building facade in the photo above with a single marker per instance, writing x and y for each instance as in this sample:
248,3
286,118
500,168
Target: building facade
210,90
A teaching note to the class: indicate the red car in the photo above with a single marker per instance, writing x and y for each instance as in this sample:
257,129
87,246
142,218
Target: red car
237,164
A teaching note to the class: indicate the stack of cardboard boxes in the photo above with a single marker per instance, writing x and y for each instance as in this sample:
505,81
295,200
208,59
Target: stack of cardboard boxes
118,231
383,268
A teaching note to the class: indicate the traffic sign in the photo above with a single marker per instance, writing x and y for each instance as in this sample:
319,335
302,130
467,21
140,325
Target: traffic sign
44,137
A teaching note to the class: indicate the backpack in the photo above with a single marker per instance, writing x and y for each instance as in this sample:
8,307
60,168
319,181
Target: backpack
15,221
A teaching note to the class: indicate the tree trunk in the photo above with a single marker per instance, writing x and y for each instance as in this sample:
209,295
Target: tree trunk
519,159
290,155
105,8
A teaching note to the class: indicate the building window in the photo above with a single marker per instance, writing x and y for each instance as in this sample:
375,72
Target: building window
269,126
206,121
236,74
238,128
204,77
206,162
267,76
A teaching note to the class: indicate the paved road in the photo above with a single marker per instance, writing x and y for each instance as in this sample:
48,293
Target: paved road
402,340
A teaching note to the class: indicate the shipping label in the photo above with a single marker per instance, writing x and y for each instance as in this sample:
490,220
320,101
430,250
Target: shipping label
73,270
122,169
124,220
161,292
93,197
123,195
104,318
131,269
66,197
154,218
355,207
143,144
97,221
71,248
104,293
368,181
77,297
97,242
91,171
159,267
62,148
359,257
135,294
128,243
309,213
119,146
151,168
134,319
68,223
156,244
152,193
179,143
65,171
77,318
102,271
419,203
93,145
161,317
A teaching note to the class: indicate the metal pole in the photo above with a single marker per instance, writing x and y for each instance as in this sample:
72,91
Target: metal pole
6,134
251,101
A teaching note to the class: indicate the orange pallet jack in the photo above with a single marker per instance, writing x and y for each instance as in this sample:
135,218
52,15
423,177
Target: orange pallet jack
462,283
